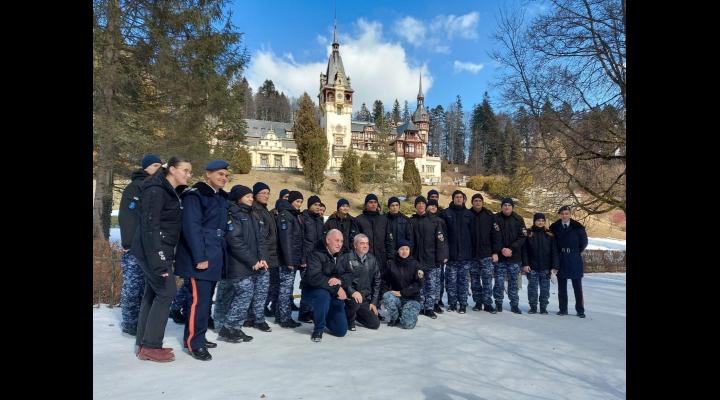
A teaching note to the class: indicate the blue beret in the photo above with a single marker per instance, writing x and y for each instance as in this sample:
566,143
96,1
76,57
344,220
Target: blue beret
216,164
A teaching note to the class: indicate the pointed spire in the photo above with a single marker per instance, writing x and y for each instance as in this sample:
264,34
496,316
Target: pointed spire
420,93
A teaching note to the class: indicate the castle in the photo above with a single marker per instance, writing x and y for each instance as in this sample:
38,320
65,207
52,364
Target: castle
272,147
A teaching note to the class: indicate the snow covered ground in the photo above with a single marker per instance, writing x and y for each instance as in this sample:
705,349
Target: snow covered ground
474,356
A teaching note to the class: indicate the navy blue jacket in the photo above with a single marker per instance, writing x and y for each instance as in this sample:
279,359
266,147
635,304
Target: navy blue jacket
245,244
513,234
399,227
374,225
128,216
313,228
322,266
268,231
205,220
540,252
485,233
459,222
290,234
429,240
158,231
571,242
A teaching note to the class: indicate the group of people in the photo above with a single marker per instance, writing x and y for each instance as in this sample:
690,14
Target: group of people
354,270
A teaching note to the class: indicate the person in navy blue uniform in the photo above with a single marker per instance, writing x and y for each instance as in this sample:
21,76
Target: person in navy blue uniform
459,222
200,257
290,257
313,229
571,239
539,255
153,247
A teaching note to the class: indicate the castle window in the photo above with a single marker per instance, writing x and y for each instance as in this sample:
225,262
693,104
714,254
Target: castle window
409,148
293,162
278,161
347,97
264,160
431,169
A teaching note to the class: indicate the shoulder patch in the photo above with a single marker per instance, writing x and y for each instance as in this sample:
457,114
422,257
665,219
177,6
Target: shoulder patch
497,227
524,231
420,274
441,237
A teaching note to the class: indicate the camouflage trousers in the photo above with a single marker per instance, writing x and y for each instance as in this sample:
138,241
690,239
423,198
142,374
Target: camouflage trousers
481,274
535,279
132,290
402,310
512,270
286,281
224,294
456,282
251,290
431,288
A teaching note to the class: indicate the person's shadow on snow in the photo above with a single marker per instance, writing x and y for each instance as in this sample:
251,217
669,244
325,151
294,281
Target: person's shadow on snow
442,392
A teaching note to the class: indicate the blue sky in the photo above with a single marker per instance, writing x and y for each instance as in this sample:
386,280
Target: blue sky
385,45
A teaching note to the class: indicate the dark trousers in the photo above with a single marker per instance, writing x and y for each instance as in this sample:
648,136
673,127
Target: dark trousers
361,312
154,309
274,288
563,296
198,313
327,310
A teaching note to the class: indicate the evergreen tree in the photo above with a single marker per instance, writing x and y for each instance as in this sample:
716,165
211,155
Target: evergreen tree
367,166
411,177
396,112
406,113
350,172
437,132
378,112
311,144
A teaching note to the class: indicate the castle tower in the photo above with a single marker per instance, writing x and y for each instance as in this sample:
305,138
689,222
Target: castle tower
335,100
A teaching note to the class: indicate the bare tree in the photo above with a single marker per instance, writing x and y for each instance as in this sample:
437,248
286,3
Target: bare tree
566,67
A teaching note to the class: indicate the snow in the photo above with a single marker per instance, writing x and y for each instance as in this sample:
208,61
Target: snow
473,356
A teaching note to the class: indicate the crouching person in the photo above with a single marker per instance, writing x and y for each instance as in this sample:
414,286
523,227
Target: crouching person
324,283
403,279
364,285
246,272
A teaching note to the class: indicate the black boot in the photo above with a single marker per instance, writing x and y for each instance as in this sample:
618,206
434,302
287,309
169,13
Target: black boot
543,310
247,324
306,317
201,354
438,309
515,309
561,312
351,326
263,326
393,322
291,323
228,335
452,307
243,336
316,337
210,345
477,307
489,308
533,310
498,307
581,314
430,313
177,317
463,309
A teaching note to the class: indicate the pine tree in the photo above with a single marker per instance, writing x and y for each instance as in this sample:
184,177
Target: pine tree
350,172
311,143
367,166
378,112
406,113
249,101
396,112
436,144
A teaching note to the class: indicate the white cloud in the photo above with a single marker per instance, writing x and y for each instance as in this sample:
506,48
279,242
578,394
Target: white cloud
322,40
434,34
378,69
459,66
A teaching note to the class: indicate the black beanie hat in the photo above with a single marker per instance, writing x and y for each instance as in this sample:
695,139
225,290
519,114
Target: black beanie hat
369,197
237,192
420,199
403,242
312,200
478,196
258,186
393,200
294,195
432,192
283,193
341,202
507,200
538,216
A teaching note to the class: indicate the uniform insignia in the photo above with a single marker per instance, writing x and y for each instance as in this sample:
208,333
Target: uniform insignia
421,274
132,205
230,226
441,237
391,236
497,227
524,232
283,225
162,255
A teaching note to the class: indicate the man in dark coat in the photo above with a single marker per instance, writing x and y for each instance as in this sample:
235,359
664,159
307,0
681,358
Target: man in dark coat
486,244
458,220
268,230
291,258
200,257
313,229
129,219
539,255
399,227
571,242
513,233
324,286
374,225
364,287
430,250
344,222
